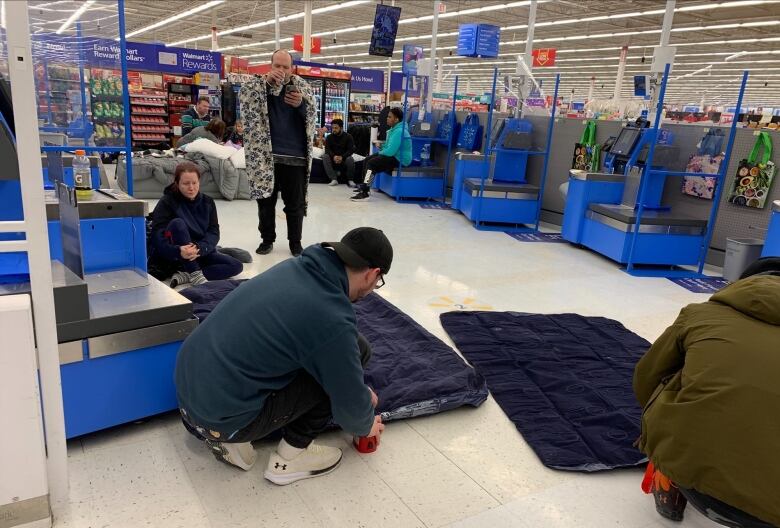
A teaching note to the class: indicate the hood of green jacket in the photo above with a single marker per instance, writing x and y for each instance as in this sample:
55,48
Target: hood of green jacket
757,296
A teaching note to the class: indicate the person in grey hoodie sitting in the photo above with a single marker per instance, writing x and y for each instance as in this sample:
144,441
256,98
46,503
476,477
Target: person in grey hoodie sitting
214,131
185,232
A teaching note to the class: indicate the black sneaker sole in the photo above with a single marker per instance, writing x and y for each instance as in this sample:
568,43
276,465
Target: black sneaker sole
263,251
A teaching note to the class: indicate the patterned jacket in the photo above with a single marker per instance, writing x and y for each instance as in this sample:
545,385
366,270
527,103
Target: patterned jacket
257,133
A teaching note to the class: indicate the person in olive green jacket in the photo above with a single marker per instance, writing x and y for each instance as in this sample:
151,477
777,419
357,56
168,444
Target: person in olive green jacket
710,389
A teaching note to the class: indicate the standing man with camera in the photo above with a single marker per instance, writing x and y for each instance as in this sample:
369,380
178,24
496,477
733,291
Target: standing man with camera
278,111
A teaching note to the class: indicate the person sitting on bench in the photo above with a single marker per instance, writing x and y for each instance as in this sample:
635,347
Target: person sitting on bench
711,403
397,151
339,147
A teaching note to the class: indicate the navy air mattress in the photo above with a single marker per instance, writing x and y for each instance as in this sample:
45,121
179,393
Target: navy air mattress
413,372
564,380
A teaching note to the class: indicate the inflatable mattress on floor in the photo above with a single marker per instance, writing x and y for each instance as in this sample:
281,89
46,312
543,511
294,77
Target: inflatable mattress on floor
413,372
564,380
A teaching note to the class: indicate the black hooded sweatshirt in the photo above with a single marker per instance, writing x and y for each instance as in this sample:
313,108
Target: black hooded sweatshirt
200,216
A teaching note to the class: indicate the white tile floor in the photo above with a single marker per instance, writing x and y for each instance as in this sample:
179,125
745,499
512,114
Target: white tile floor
467,468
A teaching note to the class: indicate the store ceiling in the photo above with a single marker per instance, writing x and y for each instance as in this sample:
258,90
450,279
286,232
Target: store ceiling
587,34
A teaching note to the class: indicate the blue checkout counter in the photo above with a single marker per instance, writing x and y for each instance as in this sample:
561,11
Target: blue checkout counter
772,243
601,211
492,191
420,182
600,214
119,330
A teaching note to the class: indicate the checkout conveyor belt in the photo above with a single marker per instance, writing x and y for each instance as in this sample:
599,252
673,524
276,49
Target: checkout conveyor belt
624,218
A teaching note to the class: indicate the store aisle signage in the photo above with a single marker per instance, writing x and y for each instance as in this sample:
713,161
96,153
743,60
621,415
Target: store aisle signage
411,57
104,53
543,57
367,81
314,47
385,29
478,40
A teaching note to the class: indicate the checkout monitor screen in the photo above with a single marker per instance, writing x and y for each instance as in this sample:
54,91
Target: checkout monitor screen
625,142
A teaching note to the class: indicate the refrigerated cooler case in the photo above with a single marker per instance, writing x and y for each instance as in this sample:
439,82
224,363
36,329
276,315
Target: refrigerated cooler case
336,104
332,99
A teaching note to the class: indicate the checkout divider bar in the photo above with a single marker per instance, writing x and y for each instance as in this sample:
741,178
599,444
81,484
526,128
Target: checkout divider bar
478,205
452,139
543,178
649,163
722,177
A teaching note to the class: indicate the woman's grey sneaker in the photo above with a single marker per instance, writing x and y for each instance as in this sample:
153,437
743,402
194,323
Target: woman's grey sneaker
197,278
241,455
333,183
179,278
314,461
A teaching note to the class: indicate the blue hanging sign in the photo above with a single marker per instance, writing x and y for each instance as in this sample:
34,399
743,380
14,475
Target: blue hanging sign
104,53
467,40
412,55
488,38
367,81
478,40
385,29
182,60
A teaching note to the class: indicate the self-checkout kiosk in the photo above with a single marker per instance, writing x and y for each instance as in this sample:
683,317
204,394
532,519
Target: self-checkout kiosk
492,189
118,328
620,213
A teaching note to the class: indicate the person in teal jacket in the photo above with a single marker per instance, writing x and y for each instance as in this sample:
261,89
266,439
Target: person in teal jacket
397,151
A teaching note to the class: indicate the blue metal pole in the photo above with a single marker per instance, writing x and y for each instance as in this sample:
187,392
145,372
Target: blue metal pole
648,168
453,120
47,86
125,98
478,208
547,153
722,177
85,134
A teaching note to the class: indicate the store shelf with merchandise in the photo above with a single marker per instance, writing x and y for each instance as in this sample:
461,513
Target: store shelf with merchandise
106,100
149,116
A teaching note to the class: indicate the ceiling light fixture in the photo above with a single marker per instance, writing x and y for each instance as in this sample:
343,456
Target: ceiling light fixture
75,16
174,18
287,18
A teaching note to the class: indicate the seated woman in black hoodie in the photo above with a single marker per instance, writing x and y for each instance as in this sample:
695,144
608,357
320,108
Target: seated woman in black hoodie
185,231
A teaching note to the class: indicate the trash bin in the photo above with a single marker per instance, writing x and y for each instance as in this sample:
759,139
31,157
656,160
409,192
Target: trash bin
740,253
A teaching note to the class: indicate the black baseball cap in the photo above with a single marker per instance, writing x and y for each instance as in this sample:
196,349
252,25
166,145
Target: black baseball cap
364,247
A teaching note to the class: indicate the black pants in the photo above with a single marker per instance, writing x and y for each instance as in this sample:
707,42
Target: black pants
301,409
290,180
215,265
376,163
720,512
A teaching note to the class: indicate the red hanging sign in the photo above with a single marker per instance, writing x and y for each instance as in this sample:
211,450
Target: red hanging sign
315,46
543,57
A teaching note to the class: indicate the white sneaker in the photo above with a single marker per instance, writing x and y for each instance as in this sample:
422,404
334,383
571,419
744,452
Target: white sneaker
333,183
313,461
350,183
241,455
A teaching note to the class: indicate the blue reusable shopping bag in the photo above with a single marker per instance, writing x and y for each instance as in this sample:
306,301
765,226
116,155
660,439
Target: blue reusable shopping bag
470,137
